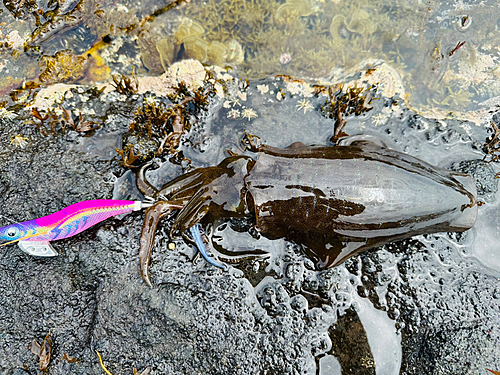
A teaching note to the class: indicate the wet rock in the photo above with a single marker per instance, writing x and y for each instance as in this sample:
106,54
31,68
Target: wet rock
467,349
482,172
267,314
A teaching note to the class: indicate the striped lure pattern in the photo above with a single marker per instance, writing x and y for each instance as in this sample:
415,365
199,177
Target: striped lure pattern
33,236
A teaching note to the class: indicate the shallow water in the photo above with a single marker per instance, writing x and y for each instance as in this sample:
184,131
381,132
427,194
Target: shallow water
260,38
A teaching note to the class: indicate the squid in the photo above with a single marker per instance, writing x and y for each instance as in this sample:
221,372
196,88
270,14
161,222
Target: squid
333,201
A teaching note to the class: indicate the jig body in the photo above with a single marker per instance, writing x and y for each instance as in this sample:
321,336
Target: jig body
34,236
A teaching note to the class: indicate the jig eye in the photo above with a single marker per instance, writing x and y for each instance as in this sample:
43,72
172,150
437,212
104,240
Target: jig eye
12,232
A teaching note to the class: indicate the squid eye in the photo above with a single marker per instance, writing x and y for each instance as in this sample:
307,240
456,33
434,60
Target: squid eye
12,232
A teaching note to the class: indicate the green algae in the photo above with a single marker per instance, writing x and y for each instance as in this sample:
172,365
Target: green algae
64,66
318,39
318,36
306,38
189,40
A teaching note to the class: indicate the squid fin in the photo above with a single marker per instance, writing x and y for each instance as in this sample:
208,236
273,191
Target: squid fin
195,232
38,248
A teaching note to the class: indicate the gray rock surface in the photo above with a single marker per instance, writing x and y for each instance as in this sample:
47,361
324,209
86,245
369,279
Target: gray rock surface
420,306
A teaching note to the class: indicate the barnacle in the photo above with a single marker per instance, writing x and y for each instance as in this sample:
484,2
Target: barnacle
19,141
263,89
233,114
380,119
305,105
248,113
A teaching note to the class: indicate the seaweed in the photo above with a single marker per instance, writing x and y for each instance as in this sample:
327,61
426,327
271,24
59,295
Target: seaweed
125,85
492,145
342,103
158,12
42,351
265,30
64,66
358,23
189,42
154,119
158,125
59,124
156,129
53,20
128,156
69,359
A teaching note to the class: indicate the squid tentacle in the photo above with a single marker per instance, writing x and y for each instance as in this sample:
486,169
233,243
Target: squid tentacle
192,212
152,217
143,185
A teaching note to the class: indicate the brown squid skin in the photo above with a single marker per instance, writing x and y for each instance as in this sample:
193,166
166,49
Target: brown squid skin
335,201
195,194
143,185
339,201
153,216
